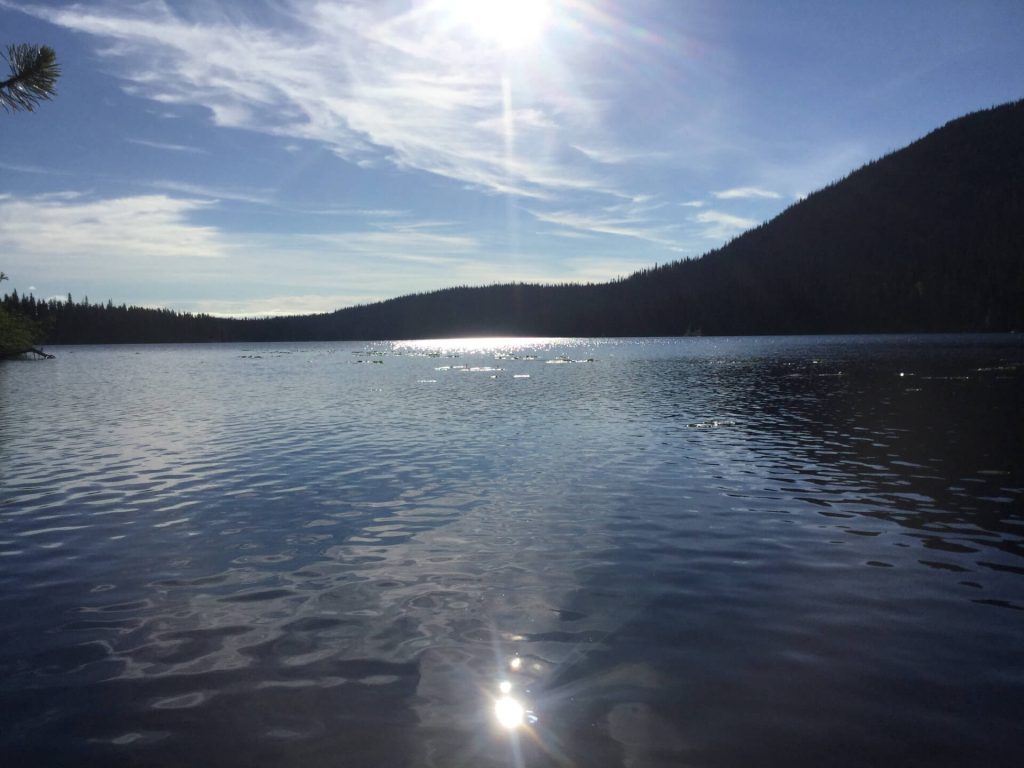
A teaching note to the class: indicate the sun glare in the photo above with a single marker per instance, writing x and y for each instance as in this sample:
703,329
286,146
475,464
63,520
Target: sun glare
509,23
509,712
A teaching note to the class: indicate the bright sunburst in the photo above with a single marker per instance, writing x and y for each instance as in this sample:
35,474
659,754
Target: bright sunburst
509,23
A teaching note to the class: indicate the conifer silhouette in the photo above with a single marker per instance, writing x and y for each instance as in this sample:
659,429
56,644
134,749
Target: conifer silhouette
34,73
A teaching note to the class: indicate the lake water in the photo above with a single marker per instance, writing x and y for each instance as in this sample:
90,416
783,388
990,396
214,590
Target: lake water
672,552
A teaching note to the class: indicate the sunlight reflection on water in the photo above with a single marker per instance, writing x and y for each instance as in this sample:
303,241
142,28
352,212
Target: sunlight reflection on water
485,345
509,712
668,554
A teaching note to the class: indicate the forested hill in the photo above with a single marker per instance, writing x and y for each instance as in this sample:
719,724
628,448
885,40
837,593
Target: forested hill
928,238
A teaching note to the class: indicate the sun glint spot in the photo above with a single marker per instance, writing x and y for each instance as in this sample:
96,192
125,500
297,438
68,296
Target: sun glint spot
510,713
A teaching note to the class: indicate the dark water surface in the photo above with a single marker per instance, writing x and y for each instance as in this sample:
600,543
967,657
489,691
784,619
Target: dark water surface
678,552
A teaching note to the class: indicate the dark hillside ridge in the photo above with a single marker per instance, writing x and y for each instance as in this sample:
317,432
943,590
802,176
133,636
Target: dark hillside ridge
929,238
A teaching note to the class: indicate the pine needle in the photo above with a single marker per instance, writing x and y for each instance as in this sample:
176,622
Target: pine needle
34,73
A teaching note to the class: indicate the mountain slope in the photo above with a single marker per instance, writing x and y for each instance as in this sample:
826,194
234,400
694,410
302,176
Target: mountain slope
928,238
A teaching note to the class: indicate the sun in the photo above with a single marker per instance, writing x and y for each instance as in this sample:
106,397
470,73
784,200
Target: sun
509,23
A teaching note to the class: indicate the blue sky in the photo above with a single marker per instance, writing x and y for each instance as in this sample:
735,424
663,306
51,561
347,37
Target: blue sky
251,157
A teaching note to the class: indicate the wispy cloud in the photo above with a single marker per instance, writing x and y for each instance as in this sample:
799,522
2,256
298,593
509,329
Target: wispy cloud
747,193
168,147
721,226
21,168
369,214
611,224
693,204
414,242
110,247
571,234
66,227
260,197
627,219
612,155
71,235
405,88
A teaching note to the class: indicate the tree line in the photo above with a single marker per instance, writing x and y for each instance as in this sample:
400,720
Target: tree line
927,239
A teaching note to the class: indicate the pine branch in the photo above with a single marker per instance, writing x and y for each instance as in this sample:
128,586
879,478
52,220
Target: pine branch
34,73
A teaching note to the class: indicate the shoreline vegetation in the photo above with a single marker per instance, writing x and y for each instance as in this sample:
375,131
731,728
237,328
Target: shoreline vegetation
18,333
929,238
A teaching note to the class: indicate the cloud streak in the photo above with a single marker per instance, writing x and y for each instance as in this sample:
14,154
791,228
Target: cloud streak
214,193
168,147
412,89
747,193
721,226
66,227
629,219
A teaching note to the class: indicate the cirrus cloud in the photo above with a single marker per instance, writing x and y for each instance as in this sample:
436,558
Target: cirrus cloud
720,226
66,226
747,193
410,89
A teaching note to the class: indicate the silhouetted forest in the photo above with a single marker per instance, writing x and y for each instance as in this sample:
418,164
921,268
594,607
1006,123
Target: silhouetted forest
928,238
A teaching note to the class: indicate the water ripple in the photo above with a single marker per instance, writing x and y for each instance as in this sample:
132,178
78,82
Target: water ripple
675,551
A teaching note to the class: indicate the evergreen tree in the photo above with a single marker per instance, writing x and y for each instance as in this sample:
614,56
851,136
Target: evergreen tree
17,333
34,73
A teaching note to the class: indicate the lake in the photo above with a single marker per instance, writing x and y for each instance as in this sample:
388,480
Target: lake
796,551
